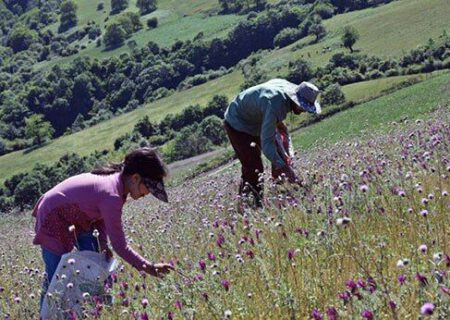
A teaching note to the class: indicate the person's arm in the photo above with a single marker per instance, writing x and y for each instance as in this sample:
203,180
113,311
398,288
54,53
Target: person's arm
111,211
287,141
268,132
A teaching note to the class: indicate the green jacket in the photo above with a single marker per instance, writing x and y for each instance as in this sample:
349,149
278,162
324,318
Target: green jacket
257,110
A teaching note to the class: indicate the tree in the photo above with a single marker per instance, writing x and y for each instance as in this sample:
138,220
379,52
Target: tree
68,15
299,71
118,5
318,30
21,38
146,6
27,191
350,37
212,128
38,129
114,36
152,23
332,95
145,127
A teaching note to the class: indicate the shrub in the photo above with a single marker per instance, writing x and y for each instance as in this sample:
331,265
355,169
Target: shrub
333,95
286,37
152,23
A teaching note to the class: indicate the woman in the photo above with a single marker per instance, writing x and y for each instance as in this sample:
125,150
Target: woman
68,214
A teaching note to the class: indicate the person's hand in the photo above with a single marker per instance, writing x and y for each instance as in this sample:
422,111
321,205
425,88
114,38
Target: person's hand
290,174
159,269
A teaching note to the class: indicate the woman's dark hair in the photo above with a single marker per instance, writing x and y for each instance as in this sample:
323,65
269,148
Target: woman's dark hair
144,161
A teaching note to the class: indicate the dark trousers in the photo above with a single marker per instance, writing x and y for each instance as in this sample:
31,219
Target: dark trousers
252,165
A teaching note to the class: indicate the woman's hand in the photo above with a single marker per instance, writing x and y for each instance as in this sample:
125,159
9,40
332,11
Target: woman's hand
159,269
108,253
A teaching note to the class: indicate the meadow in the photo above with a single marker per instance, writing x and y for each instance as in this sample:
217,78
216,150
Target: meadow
365,236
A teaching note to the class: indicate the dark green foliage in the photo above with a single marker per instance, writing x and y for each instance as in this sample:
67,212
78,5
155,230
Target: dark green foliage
332,95
68,15
350,37
318,30
324,10
229,6
152,22
287,36
146,128
299,71
146,6
28,191
100,6
21,38
118,5
114,36
212,128
189,142
38,129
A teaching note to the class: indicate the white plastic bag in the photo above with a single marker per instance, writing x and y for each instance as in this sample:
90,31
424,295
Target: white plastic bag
79,273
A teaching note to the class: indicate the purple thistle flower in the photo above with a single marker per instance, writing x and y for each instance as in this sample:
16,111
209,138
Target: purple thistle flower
345,296
143,316
205,296
144,303
423,248
316,315
178,304
422,279
170,316
392,305
367,314
220,240
211,256
202,265
427,309
225,284
332,313
250,254
401,279
291,254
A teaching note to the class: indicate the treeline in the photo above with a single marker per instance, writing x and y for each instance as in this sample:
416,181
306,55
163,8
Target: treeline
89,91
193,131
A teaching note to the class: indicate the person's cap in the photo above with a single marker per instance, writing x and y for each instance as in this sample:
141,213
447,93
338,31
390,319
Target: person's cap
305,96
156,188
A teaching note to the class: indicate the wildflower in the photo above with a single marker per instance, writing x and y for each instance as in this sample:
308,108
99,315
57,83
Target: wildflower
291,254
249,295
228,312
225,284
332,313
401,279
71,228
202,265
250,254
316,315
402,193
392,305
211,256
252,144
17,300
69,285
424,213
427,309
364,188
220,240
205,296
422,279
71,261
430,196
86,295
438,257
343,221
424,201
144,303
143,316
423,248
367,314
95,233
402,263
178,304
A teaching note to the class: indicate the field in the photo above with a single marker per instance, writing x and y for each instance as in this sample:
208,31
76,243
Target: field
365,237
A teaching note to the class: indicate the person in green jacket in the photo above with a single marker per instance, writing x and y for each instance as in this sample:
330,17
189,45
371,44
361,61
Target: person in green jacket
254,122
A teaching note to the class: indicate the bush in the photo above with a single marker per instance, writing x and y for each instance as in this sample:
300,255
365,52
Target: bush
324,10
333,95
100,6
152,23
286,37
299,70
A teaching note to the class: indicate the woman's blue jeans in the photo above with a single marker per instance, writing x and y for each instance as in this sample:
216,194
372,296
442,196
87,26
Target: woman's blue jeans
85,241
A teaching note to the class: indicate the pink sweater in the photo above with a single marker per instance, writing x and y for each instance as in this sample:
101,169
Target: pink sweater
88,202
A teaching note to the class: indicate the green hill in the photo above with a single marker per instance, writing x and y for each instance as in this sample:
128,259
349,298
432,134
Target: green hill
406,25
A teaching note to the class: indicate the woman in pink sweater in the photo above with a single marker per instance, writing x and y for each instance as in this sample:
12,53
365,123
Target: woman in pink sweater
68,214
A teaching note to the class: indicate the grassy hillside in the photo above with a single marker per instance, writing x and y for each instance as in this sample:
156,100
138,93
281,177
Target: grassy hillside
104,134
176,21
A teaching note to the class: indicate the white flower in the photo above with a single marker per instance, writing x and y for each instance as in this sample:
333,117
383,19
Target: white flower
402,263
343,221
86,295
71,228
252,144
69,285
227,313
95,233
423,248
437,257
71,261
